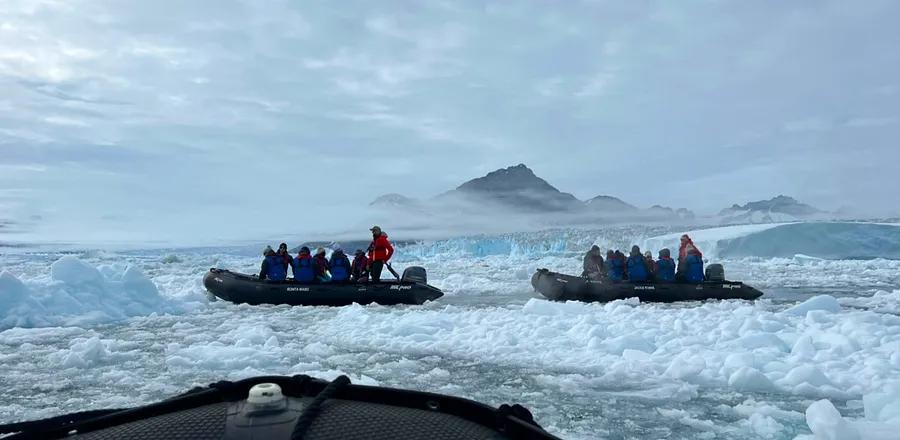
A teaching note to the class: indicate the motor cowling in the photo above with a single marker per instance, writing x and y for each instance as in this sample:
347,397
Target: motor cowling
715,272
415,274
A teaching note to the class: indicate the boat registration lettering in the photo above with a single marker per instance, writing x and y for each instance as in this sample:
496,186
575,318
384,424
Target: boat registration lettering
298,289
730,286
644,288
399,287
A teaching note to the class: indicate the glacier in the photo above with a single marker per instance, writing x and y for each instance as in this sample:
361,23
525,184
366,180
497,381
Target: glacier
826,240
817,357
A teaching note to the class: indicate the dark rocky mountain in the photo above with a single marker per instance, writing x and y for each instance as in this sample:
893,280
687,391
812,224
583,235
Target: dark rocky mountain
516,188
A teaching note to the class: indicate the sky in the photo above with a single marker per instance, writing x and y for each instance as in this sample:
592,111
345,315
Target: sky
240,115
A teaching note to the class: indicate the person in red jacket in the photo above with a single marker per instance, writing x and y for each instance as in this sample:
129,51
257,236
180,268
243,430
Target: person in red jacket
687,247
380,252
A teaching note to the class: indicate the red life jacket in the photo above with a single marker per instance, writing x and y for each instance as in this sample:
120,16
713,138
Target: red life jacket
381,249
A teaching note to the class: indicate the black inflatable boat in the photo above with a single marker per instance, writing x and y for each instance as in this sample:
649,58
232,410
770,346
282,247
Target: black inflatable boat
298,407
238,288
560,287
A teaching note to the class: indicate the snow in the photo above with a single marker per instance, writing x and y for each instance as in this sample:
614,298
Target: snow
107,329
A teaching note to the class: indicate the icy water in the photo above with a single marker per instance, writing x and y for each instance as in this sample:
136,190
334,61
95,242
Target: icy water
730,369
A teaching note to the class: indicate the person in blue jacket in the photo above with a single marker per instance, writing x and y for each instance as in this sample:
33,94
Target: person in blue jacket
694,266
340,265
304,272
272,267
615,266
665,266
636,266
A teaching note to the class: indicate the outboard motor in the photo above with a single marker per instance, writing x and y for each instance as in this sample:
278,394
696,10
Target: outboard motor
715,272
415,274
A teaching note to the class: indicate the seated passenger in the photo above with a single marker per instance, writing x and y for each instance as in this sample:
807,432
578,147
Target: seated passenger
359,271
694,263
651,265
636,266
271,268
320,263
615,266
593,264
686,245
303,267
340,265
665,267
285,256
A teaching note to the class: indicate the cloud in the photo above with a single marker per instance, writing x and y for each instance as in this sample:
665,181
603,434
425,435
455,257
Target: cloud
142,109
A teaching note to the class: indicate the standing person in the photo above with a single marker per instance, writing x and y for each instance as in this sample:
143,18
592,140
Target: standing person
303,267
340,265
285,256
271,267
320,263
665,266
636,266
380,252
359,271
593,264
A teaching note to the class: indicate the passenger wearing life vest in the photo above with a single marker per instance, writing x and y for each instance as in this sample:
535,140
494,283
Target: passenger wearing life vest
593,264
304,272
694,270
321,266
359,271
271,268
285,256
615,266
636,267
665,267
686,248
340,265
651,265
380,252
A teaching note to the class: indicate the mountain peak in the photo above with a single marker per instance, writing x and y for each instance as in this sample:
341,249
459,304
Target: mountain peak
514,178
610,204
780,204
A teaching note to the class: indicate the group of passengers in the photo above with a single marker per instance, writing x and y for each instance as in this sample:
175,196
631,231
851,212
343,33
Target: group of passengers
309,268
642,268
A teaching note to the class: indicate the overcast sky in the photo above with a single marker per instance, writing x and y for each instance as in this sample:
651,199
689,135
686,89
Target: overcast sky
234,112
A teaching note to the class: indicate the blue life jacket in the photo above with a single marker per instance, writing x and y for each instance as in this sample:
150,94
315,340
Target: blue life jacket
304,271
340,268
637,268
694,269
615,269
665,269
275,270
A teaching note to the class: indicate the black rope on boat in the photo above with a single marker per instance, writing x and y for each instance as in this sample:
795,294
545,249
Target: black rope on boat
518,411
315,407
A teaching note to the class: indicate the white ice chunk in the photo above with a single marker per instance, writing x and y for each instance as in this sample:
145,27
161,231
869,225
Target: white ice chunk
826,422
827,303
750,379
